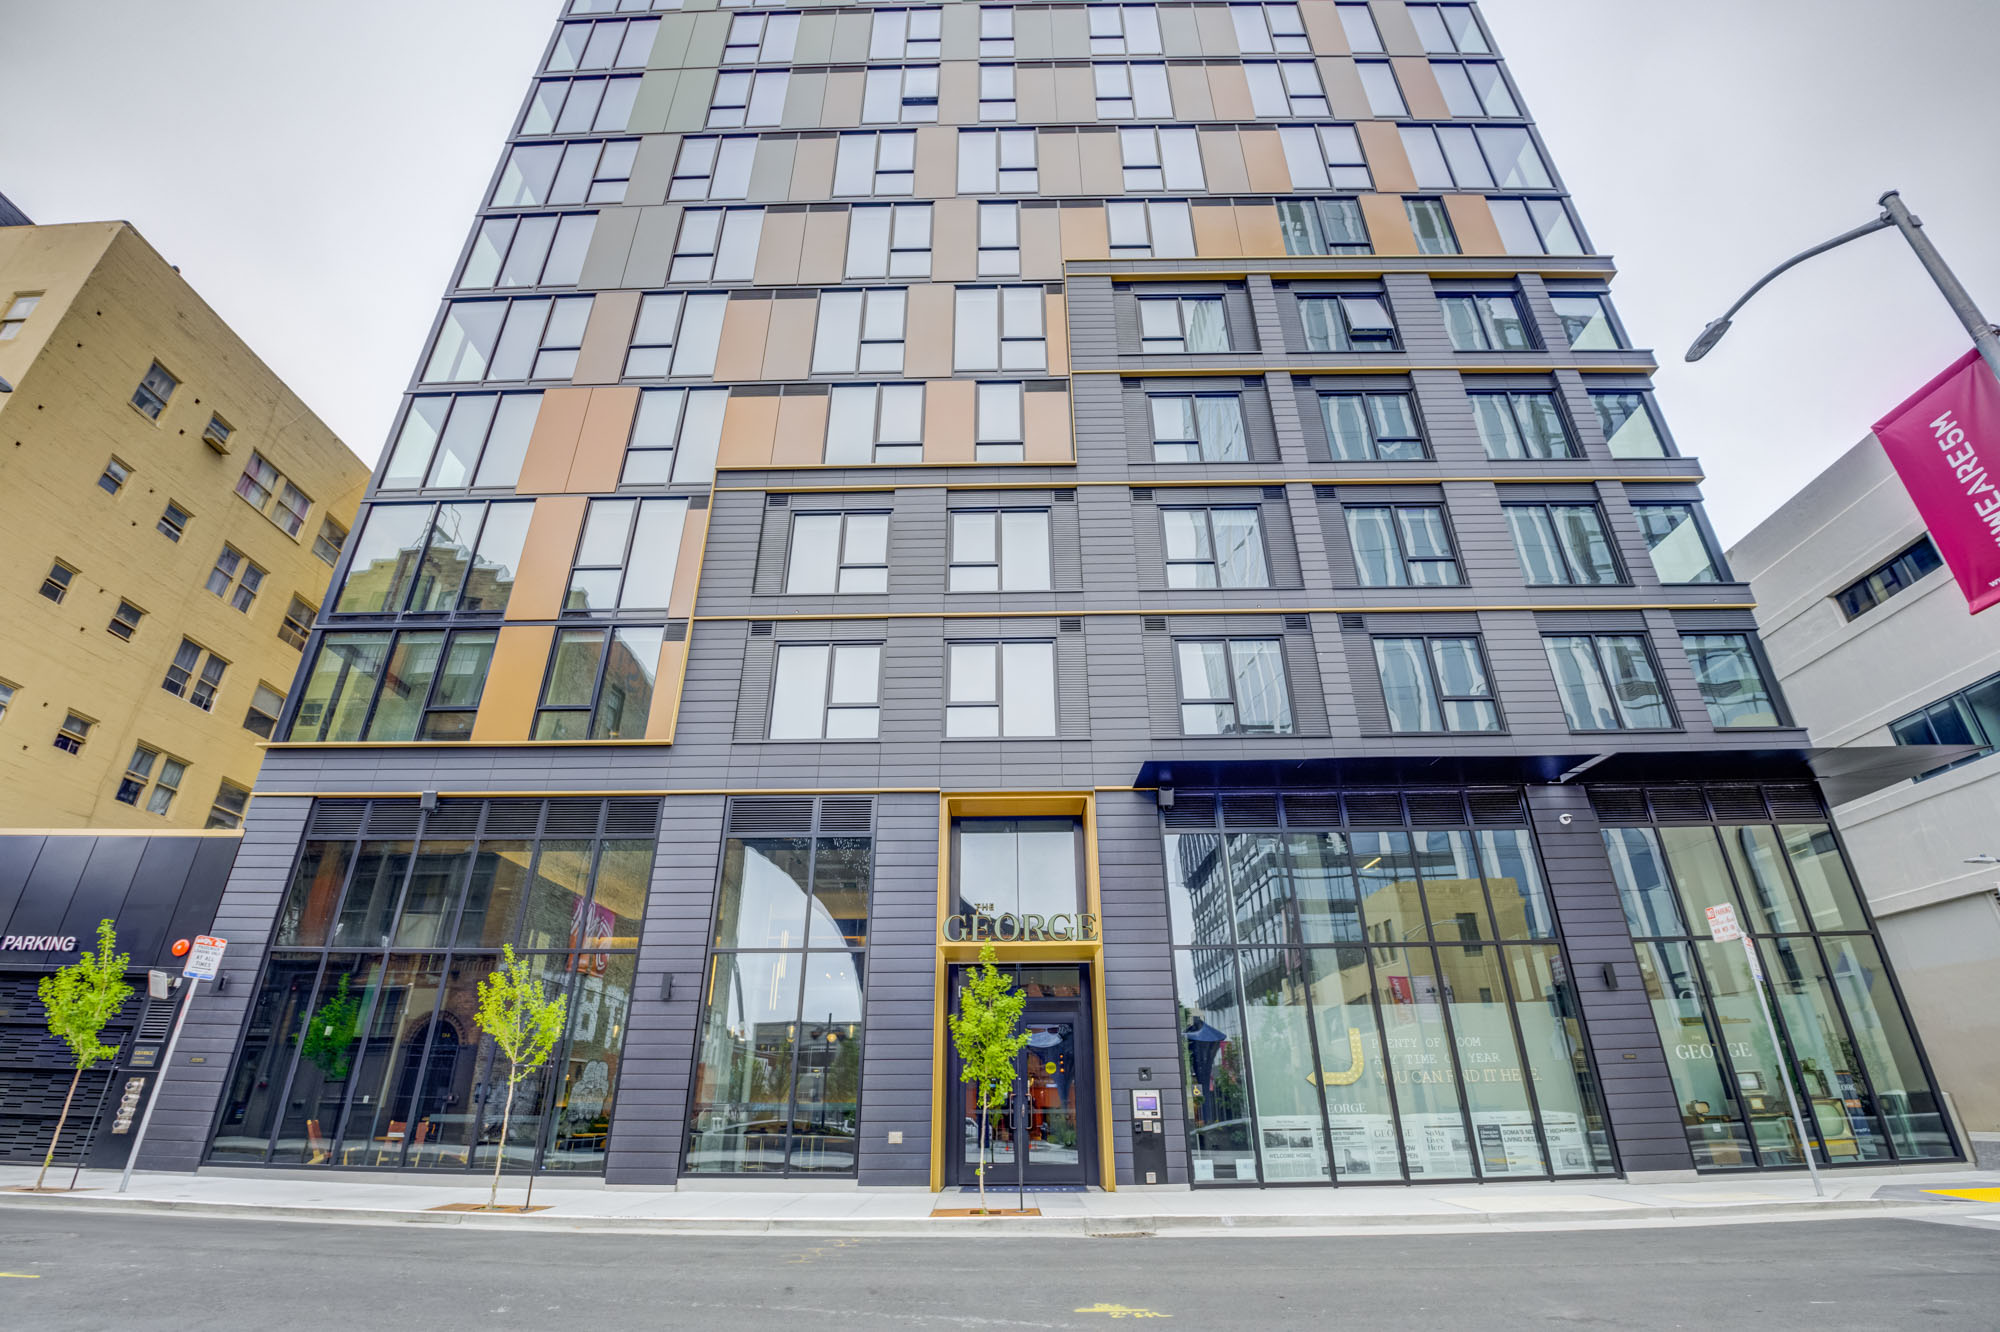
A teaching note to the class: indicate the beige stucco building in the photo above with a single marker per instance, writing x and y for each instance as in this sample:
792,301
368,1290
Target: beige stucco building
170,513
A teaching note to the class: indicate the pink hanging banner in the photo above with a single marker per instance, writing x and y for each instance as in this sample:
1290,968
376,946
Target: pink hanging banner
1945,443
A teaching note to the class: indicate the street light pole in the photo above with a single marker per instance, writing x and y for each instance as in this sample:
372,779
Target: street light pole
1894,214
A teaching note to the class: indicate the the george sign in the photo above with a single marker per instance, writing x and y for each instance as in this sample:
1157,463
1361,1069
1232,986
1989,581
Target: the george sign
979,927
205,958
1722,926
1944,441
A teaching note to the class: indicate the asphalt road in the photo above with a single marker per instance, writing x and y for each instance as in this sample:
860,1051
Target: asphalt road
61,1271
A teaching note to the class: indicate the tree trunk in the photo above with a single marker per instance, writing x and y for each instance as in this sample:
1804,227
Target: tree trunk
61,1120
500,1157
984,1115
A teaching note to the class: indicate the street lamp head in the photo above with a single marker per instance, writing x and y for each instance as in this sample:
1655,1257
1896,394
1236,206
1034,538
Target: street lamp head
1983,859
1705,344
5,387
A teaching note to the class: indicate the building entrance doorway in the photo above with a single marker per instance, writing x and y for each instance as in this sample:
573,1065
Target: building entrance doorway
1046,1134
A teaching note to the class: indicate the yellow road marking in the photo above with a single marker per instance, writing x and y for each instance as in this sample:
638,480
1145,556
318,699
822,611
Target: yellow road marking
23,1276
1122,1311
1970,1195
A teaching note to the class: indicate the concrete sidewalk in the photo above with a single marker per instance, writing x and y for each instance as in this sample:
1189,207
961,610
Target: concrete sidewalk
586,1205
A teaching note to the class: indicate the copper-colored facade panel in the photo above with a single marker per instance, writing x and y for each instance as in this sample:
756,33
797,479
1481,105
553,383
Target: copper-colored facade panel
1420,88
788,345
812,169
1264,161
1230,92
1076,93
1056,320
1041,243
1472,219
779,248
958,93
801,432
1058,170
1382,145
513,682
1345,95
667,680
1083,232
1045,425
842,103
1215,235
950,420
1257,227
1034,93
1323,28
606,338
542,577
687,565
552,444
749,428
1218,34
927,329
1222,161
954,240
823,256
600,446
739,352
1388,225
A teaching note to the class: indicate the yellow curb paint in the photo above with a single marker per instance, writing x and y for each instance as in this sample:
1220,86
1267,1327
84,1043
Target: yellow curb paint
1122,1311
1970,1195
23,1276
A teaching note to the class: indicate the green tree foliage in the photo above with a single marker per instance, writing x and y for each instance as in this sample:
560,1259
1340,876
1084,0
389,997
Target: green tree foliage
516,1010
986,1032
331,1032
79,999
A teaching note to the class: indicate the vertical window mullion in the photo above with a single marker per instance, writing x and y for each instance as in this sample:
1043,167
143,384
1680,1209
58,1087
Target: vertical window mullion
1514,1024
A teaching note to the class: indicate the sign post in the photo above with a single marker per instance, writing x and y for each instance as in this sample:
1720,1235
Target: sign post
1722,927
202,963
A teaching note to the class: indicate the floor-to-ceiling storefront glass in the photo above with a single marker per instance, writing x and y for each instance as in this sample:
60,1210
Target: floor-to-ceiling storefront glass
363,1048
1363,1004
1841,1034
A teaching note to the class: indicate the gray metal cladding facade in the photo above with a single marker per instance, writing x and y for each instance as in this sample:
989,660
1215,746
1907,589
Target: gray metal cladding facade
1109,611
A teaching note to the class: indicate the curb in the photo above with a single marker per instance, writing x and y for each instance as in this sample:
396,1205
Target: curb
1088,1227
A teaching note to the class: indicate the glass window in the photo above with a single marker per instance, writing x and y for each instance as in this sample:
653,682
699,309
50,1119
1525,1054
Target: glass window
1370,427
1000,689
996,161
1586,322
1161,159
1562,544
1731,682
1522,425
1535,226
153,391
1401,546
1486,323
710,168
435,558
676,435
900,34
1347,324
675,335
1153,229
716,245
999,550
827,691
1628,426
1474,88
999,328
1182,324
1436,684
1870,591
996,30
1321,157
1909,1105
877,164
1378,80
599,684
1430,223
1215,547
627,556
833,553
1448,28
420,685
1198,427
1286,88
761,39
456,442
541,250
1323,226
859,331
1128,91
1017,867
1679,547
999,436
1607,682
1233,687
875,423
889,240
746,99
996,92
191,677
999,240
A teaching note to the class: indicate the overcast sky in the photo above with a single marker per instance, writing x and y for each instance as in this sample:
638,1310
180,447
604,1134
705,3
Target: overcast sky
313,170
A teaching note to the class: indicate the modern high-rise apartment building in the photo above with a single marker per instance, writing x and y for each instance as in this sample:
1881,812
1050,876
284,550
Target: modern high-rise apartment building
170,513
1161,490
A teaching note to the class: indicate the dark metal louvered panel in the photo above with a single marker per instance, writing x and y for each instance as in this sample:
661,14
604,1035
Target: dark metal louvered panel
573,818
1374,809
1249,810
847,816
1618,804
1498,808
1795,804
158,1022
632,818
336,818
1737,804
513,818
454,818
1313,809
766,816
393,818
1191,811
1436,809
1677,804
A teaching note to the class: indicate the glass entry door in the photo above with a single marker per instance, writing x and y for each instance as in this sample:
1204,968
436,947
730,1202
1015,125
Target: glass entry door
1045,1135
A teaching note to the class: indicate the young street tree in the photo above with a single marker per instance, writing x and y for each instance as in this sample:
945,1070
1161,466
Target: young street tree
525,1023
80,999
986,1032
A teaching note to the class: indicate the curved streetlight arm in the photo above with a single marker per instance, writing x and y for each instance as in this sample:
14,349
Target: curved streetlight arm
1713,333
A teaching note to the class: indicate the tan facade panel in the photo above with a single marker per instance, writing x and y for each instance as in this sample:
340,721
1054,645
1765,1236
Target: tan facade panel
606,338
927,332
1034,89
711,32
687,564
1323,27
955,240
1069,32
1388,224
652,250
810,99
801,435
542,577
610,244
1222,161
1058,172
1179,34
788,346
1345,95
1100,162
958,32
850,36
749,428
1033,39
1399,35
1420,88
1218,34
1382,145
814,44
1084,235
958,89
600,445
937,162
779,247
950,420
824,257
1041,243
652,169
667,682
1076,89
739,352
1055,317
1257,225
812,168
1229,92
513,682
842,104
1215,235
771,170
552,444
1189,86
1264,161
1045,426
1472,219
691,101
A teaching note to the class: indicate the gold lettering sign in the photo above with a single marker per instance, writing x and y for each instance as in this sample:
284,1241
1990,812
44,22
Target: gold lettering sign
1006,927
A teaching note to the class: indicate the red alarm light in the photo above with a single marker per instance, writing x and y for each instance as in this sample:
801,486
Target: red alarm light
180,947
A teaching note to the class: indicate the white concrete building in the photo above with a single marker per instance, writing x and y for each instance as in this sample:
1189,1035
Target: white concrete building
1872,641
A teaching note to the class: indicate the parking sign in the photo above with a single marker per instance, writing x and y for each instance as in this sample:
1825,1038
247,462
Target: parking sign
205,958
